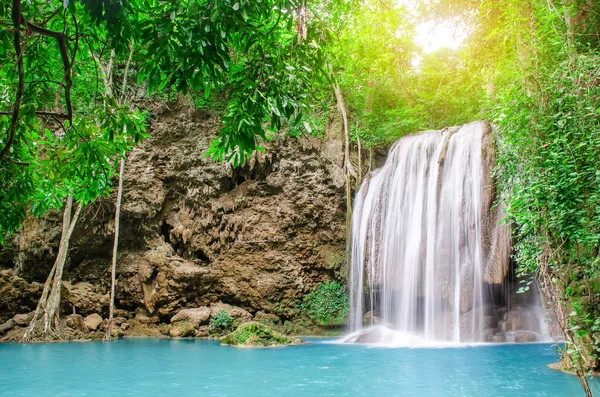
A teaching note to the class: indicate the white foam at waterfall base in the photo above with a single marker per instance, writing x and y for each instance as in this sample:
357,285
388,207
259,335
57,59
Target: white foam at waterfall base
382,336
418,253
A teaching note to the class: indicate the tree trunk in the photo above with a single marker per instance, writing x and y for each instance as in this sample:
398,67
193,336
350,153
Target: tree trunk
107,335
348,170
49,302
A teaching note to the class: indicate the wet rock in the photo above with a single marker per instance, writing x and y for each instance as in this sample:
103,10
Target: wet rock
181,329
489,322
370,319
92,322
195,316
7,326
75,321
23,319
499,337
517,319
503,325
525,336
488,334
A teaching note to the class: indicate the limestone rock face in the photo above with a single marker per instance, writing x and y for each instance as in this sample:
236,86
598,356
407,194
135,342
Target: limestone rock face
195,232
145,318
84,298
16,295
267,317
92,322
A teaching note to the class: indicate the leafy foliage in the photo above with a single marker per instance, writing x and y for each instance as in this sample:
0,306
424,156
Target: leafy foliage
549,167
327,305
67,110
257,334
220,322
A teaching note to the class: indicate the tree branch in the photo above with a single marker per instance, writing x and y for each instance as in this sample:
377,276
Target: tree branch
16,18
67,63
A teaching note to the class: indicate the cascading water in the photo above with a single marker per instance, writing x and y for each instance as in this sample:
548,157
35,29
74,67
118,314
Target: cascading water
427,243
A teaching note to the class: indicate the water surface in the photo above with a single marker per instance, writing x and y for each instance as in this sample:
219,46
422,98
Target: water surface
164,367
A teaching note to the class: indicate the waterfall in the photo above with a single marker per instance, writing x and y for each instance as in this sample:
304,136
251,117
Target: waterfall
426,241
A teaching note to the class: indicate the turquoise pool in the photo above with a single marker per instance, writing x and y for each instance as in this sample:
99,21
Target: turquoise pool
179,368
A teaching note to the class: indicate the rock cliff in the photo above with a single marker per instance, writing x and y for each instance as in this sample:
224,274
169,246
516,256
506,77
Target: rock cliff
195,232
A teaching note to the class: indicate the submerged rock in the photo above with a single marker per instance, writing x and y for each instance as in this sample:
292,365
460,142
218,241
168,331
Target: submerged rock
257,334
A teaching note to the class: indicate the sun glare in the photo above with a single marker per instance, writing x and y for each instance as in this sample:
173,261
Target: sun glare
433,35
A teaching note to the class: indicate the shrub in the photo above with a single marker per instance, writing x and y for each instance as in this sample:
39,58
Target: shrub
326,305
257,334
220,322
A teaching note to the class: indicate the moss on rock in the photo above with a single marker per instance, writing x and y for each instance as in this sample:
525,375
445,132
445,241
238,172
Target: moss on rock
257,334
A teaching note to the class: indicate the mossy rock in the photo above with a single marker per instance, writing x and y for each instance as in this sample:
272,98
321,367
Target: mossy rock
181,329
257,334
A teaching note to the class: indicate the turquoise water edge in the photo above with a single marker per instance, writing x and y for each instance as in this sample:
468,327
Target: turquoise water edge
163,367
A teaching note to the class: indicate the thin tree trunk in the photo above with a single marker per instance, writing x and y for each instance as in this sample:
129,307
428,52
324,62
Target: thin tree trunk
348,170
49,302
113,279
107,335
